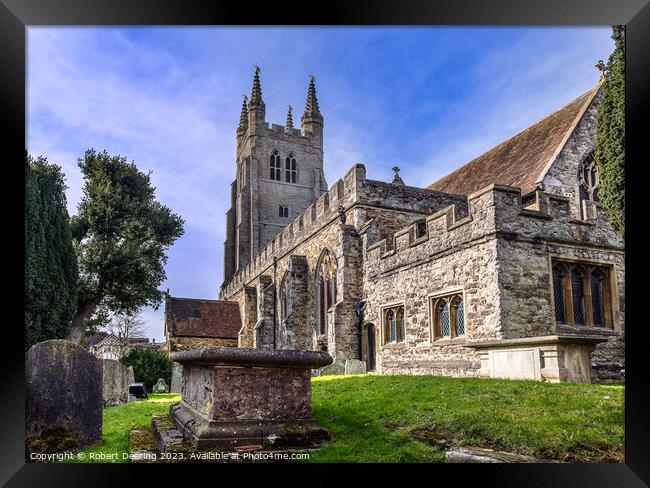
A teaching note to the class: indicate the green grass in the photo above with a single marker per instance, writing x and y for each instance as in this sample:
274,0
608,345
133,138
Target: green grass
376,418
116,426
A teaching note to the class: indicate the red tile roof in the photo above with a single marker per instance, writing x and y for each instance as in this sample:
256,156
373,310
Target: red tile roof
520,160
190,317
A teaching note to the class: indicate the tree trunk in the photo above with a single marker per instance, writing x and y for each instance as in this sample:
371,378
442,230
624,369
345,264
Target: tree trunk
81,319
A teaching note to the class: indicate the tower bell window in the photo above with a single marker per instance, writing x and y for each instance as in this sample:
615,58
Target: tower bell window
291,173
275,166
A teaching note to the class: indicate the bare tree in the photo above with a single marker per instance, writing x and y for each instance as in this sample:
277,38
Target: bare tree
127,326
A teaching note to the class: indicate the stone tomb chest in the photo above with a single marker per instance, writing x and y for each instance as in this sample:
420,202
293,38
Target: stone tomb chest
237,397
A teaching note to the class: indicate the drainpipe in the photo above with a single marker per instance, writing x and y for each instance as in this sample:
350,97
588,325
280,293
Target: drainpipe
359,309
275,268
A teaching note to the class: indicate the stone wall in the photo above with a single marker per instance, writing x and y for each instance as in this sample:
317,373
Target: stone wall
562,176
499,258
456,254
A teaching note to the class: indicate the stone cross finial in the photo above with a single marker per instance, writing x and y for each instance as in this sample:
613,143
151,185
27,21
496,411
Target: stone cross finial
397,180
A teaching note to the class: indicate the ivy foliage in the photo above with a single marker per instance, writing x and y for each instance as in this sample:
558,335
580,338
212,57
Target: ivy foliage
610,133
51,271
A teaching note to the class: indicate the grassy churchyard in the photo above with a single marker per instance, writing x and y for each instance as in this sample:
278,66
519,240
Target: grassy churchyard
375,418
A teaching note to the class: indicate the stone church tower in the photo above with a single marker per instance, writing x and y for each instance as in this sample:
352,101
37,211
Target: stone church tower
279,175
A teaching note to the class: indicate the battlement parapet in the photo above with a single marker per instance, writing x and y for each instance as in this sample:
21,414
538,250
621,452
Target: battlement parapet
495,208
340,197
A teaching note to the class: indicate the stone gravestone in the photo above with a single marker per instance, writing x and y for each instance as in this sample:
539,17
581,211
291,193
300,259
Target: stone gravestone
177,378
63,390
160,386
332,369
116,381
354,366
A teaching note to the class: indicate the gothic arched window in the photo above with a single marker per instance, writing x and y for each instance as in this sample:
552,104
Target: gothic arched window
588,180
275,166
290,169
394,324
582,294
325,288
448,317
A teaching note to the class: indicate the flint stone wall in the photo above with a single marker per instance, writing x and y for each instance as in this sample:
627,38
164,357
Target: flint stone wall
115,383
63,385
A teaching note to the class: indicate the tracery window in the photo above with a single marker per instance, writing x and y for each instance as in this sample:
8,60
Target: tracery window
291,172
588,180
394,324
448,314
582,294
283,211
275,167
325,288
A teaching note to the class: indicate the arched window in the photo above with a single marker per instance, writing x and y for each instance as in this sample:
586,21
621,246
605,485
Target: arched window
325,288
448,317
275,167
459,315
582,294
284,297
588,180
394,324
291,172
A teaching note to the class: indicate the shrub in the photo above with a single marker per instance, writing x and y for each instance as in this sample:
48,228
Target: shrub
148,366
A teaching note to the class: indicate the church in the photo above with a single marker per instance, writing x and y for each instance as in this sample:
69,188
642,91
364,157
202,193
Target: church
506,268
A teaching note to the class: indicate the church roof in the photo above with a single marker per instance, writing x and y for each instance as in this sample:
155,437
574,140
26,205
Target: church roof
191,317
522,160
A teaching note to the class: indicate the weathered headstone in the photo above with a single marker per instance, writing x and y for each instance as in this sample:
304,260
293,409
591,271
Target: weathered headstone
177,378
354,366
160,386
332,369
63,390
240,397
116,381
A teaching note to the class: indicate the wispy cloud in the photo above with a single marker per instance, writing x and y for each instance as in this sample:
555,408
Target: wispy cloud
428,99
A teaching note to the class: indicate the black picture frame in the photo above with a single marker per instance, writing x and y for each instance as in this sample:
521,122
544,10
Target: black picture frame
16,15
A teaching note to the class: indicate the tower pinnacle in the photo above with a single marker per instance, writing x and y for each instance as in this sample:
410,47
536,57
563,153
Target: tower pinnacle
311,107
243,117
256,93
288,126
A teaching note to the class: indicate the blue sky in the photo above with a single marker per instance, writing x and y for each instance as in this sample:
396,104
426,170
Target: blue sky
429,99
